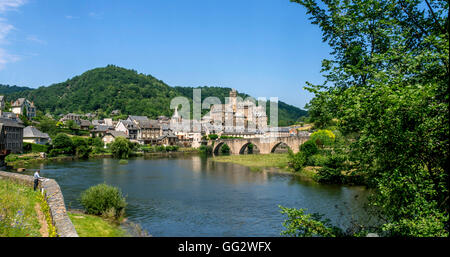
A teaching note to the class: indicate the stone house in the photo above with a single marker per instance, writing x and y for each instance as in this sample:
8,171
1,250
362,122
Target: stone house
99,131
2,102
166,140
129,128
72,116
149,132
11,136
20,105
33,135
111,135
85,124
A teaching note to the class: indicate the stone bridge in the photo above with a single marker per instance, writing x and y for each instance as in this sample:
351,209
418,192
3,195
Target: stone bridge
264,145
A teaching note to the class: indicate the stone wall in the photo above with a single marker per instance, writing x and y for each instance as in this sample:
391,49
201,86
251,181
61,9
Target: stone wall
55,200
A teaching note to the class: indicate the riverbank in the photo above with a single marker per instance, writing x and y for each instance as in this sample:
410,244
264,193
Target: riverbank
95,226
20,161
257,162
276,163
21,212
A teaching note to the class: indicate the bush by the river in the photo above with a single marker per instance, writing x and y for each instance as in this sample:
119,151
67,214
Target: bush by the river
104,200
120,148
309,148
206,149
317,160
297,161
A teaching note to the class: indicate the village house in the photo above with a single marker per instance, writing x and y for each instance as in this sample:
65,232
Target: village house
167,140
85,124
149,132
2,102
137,119
22,105
129,128
115,112
33,135
9,115
71,116
111,135
99,131
11,136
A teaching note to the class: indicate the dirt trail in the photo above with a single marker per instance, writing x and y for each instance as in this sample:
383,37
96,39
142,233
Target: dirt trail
41,217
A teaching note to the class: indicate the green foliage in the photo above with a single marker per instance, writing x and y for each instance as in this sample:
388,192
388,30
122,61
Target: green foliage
317,160
323,137
62,144
103,199
309,148
123,162
300,224
114,88
47,125
297,161
82,149
387,88
212,136
332,170
225,149
120,148
34,148
206,149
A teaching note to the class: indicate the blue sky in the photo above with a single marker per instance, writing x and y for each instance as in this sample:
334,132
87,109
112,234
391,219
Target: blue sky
266,48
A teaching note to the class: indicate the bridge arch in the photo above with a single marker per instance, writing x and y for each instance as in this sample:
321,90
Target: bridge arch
277,145
217,147
245,147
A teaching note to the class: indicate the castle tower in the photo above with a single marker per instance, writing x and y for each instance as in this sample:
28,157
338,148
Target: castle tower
233,99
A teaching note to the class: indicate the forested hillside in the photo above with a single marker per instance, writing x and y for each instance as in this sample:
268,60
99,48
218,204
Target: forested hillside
110,88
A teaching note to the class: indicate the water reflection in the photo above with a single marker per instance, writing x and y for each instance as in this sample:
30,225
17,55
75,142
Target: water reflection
192,196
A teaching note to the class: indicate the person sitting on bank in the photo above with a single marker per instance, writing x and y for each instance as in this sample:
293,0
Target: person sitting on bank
36,179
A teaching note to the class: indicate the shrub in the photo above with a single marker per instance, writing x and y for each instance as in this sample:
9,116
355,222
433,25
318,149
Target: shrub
332,172
225,149
309,148
206,149
82,149
64,143
120,148
317,160
103,199
122,162
323,137
297,161
213,136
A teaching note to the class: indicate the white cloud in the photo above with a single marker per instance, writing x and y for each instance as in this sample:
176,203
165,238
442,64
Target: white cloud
70,17
5,29
96,15
7,58
7,5
35,39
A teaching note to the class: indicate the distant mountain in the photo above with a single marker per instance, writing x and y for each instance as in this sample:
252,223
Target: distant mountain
110,88
7,89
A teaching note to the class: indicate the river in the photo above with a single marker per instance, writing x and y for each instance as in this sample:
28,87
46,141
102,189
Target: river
193,196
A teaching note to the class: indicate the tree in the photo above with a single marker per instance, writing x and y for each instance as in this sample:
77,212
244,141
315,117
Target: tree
82,149
64,143
120,148
387,86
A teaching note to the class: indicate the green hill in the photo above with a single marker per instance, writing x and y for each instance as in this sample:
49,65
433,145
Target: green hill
110,88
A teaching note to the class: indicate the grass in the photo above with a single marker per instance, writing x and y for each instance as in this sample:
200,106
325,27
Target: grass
95,226
257,162
18,217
